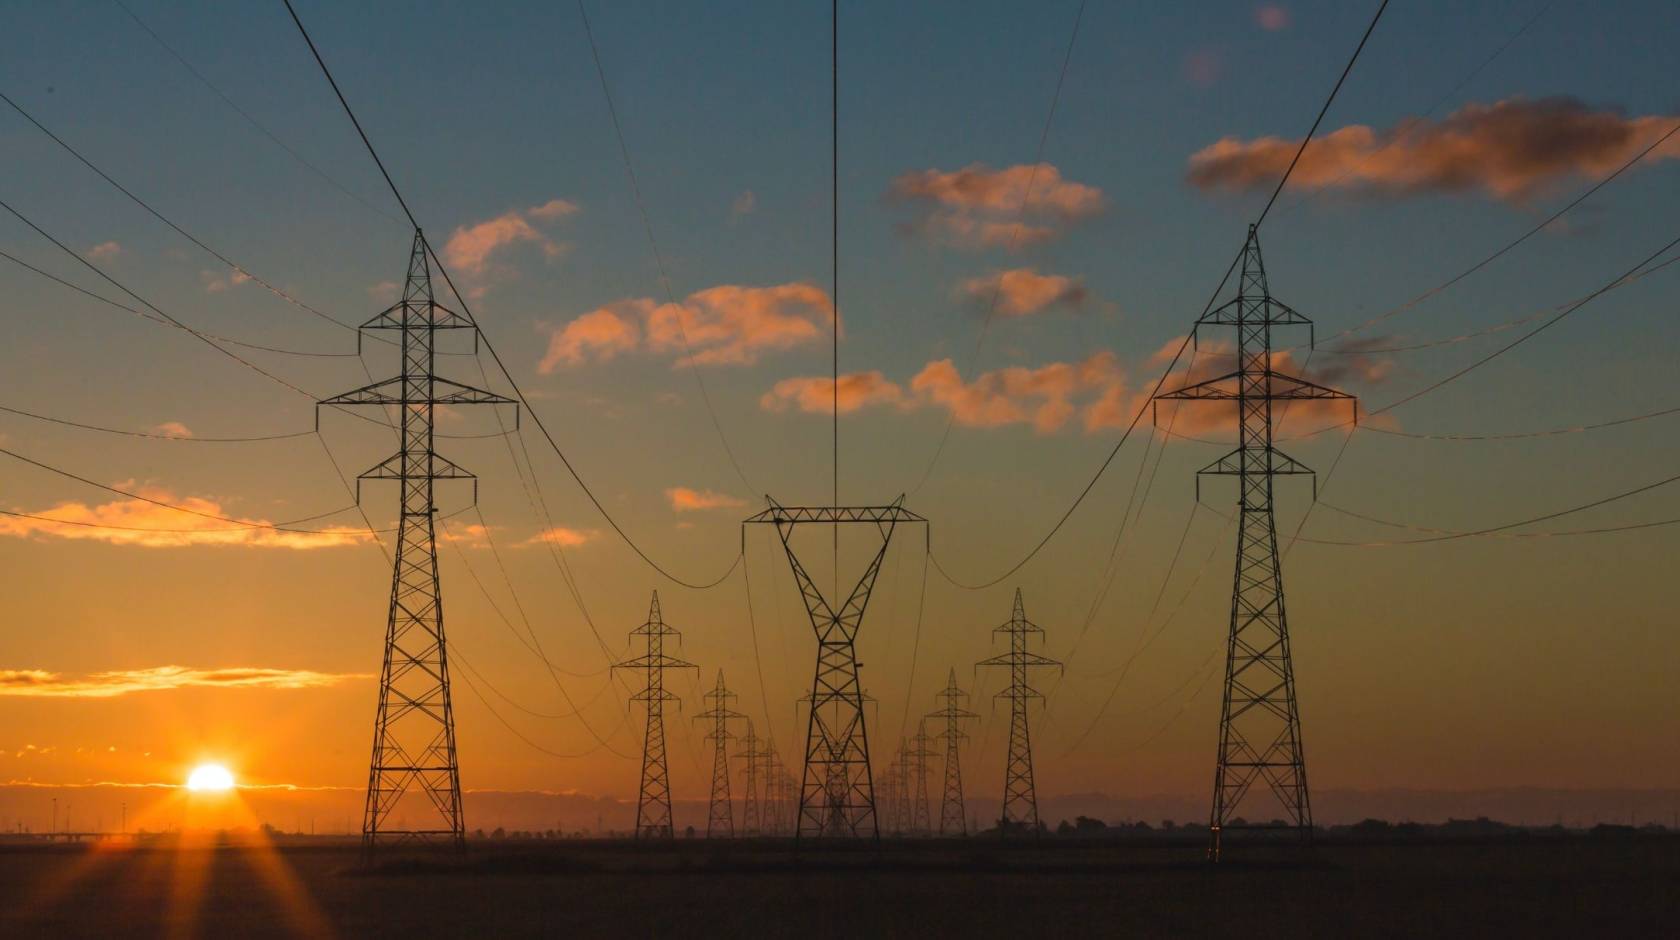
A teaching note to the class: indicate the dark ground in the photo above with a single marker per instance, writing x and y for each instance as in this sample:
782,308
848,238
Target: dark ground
1509,887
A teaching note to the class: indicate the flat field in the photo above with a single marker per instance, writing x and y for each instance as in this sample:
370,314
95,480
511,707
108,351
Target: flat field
1576,886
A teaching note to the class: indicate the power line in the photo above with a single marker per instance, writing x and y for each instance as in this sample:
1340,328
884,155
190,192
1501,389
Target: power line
158,320
653,244
1103,467
302,161
152,435
1014,234
488,346
287,526
1548,324
233,265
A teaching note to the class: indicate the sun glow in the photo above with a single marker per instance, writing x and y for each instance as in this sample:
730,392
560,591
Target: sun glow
210,777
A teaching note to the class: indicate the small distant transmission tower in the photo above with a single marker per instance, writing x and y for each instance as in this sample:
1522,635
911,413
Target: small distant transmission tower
837,797
1020,800
653,805
921,750
754,756
1259,722
720,815
952,818
414,730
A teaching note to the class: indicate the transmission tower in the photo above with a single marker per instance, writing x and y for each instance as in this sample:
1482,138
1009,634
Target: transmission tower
414,777
952,820
921,749
1020,801
720,816
754,755
653,805
904,807
837,797
1260,721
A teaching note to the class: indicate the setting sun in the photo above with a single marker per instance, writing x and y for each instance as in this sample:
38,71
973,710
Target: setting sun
210,777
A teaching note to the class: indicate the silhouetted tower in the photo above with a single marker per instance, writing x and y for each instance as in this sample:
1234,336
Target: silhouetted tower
653,804
837,797
952,818
414,777
921,750
891,797
1020,801
720,815
904,806
753,754
1260,721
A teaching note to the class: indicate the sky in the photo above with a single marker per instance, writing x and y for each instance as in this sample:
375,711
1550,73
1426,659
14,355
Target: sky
1094,240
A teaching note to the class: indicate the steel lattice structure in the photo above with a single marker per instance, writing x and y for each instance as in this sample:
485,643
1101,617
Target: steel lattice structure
653,804
1020,799
755,756
921,821
414,728
1260,720
837,796
720,813
952,818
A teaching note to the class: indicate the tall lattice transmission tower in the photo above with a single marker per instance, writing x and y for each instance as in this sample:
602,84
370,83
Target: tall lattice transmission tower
720,814
952,818
1020,800
1260,721
653,803
753,754
921,751
837,795
414,776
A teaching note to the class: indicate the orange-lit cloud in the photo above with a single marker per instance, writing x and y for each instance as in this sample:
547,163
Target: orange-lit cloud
1202,67
37,683
816,394
1045,397
140,523
599,334
979,207
563,537
217,283
725,325
104,251
1020,292
1511,150
684,499
470,246
1271,17
172,429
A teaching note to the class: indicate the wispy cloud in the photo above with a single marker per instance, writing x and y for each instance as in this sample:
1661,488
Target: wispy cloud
1271,17
729,324
816,394
104,251
684,499
563,537
744,204
981,207
140,523
470,247
1511,150
1020,292
37,683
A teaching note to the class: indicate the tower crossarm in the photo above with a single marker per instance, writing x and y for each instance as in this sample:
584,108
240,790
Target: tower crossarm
1238,385
395,391
1267,312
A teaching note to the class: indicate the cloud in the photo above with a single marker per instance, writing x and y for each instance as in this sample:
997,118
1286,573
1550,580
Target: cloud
724,325
1271,17
172,429
563,537
385,291
601,334
979,207
217,283
36,683
1510,150
1044,397
816,394
104,251
1202,67
684,499
744,204
140,523
1021,292
470,247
